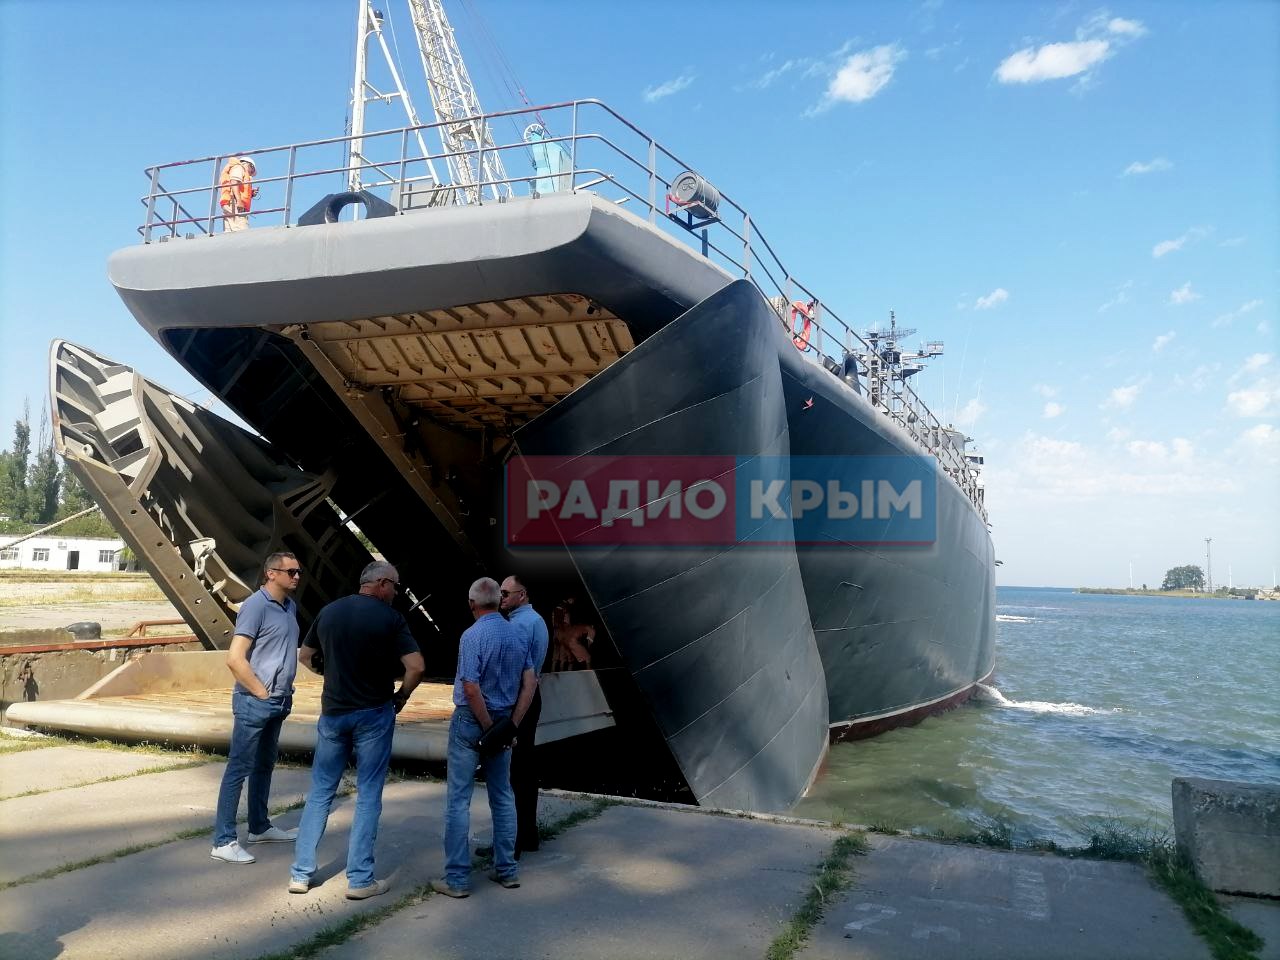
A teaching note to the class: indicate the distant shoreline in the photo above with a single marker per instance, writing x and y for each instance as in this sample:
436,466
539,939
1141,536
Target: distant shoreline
1185,594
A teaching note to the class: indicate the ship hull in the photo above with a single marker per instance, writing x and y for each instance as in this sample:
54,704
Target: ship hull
774,650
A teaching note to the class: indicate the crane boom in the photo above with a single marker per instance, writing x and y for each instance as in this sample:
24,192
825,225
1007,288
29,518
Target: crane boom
474,164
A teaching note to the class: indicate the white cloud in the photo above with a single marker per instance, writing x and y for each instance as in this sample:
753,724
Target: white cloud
1139,167
861,76
1261,442
1232,242
1053,61
1146,450
1118,434
1045,390
1179,450
666,89
933,53
1047,470
1163,340
1261,399
773,74
1130,28
1184,294
1256,361
971,412
1224,320
1199,378
1052,409
1168,246
1121,398
1095,42
996,297
1121,297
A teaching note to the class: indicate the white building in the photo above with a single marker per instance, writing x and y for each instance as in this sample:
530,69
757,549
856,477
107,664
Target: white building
60,553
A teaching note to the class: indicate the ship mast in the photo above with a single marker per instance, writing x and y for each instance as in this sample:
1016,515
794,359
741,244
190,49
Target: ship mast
369,25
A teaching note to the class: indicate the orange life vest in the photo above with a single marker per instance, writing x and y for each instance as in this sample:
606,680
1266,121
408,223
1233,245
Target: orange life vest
241,187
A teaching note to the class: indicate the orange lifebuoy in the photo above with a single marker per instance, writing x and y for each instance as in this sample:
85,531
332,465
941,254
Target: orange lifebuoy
801,337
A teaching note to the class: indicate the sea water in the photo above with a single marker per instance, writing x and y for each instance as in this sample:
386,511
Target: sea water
1098,702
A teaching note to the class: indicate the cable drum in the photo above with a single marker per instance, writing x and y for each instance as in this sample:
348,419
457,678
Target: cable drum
695,195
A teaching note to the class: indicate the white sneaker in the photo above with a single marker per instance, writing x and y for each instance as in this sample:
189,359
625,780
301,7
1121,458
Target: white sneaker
231,853
274,834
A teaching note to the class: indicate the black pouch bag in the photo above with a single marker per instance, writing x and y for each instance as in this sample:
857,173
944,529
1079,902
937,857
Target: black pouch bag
497,738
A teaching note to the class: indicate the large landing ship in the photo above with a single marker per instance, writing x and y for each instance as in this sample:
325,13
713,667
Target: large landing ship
607,302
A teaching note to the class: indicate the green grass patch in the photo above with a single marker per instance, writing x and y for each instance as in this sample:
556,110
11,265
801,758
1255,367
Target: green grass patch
341,932
202,831
38,576
119,776
1227,939
834,875
16,745
1110,838
597,806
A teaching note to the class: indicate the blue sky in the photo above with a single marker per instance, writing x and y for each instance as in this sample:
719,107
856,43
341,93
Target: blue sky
1081,201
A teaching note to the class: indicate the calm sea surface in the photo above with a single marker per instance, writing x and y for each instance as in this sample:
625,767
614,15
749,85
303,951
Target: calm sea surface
1102,701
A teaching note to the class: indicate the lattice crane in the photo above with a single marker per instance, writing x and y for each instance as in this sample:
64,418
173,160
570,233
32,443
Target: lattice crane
474,164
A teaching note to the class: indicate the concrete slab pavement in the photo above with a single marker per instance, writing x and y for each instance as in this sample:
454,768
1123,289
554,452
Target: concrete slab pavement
59,767
1262,917
173,902
635,883
48,830
917,899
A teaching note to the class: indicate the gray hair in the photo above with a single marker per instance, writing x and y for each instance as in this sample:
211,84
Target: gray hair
484,593
378,570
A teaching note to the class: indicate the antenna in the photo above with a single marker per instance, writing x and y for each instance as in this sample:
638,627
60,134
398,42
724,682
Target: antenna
1208,564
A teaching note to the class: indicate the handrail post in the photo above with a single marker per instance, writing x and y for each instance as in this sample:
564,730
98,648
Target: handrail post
480,162
288,184
213,194
151,205
573,150
653,189
746,245
404,153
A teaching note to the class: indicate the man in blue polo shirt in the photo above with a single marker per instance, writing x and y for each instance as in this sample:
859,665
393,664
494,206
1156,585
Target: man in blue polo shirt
495,679
524,767
264,660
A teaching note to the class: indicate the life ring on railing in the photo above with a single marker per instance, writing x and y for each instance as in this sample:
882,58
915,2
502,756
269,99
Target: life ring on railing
800,337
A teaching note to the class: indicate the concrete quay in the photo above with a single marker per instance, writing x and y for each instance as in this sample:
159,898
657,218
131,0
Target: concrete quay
633,881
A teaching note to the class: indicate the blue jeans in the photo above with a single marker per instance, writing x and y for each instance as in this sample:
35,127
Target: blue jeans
367,734
255,740
464,731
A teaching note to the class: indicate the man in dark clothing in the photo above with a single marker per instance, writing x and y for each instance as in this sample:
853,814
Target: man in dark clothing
524,768
364,645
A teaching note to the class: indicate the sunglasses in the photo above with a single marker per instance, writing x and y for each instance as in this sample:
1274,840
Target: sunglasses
289,571
394,583
509,593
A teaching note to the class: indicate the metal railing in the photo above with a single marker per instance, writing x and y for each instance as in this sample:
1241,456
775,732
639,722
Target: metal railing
603,152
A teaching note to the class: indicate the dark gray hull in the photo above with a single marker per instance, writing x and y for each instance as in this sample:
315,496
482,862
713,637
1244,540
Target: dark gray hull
773,649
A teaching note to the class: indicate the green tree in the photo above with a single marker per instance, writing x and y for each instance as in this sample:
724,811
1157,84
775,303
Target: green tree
45,477
1189,577
14,465
74,496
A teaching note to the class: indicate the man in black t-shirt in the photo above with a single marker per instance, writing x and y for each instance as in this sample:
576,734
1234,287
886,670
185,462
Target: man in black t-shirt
364,646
